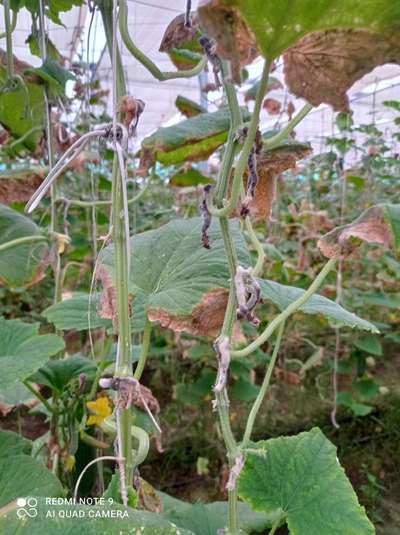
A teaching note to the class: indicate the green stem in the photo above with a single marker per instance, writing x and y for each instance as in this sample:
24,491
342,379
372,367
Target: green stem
22,241
39,396
123,366
146,61
13,23
275,526
87,204
145,350
291,309
247,146
257,246
274,141
263,390
8,32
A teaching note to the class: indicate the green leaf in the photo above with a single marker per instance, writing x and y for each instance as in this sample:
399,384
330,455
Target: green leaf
369,344
188,107
366,388
179,279
301,476
23,351
23,264
57,374
283,295
360,409
278,24
113,492
54,75
22,476
34,47
207,519
244,390
88,520
395,104
344,121
12,444
20,113
191,140
189,177
72,313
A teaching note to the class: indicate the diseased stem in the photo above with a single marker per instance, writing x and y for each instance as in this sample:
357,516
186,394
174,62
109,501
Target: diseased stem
120,239
145,60
289,310
247,146
274,141
22,241
145,350
263,390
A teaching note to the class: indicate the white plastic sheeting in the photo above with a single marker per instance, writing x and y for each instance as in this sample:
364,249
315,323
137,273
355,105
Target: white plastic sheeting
147,22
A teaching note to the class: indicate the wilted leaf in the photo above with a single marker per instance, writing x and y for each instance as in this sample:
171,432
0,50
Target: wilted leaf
188,108
378,224
283,295
182,43
23,350
191,140
278,24
181,281
235,41
18,185
270,163
301,477
24,264
322,66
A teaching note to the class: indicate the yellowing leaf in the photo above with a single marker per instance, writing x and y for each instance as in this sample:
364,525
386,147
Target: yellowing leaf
101,408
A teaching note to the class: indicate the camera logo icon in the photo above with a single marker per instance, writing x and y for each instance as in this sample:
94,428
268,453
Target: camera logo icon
27,507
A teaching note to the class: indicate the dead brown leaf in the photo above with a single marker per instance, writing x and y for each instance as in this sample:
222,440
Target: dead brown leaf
19,186
177,35
235,40
269,166
370,227
206,319
108,303
322,66
290,378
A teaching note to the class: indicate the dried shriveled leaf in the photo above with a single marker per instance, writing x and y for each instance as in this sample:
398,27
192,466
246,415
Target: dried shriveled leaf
25,264
188,107
378,224
322,66
235,40
184,286
269,165
20,184
182,43
191,140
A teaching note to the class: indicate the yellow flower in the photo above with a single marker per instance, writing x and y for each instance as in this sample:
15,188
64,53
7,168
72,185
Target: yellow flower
101,408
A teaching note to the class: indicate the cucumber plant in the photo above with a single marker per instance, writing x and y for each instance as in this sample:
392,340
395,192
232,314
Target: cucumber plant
202,275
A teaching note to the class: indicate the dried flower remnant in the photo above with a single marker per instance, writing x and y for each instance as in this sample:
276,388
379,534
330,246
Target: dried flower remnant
209,46
235,472
131,110
253,175
222,349
247,294
206,216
